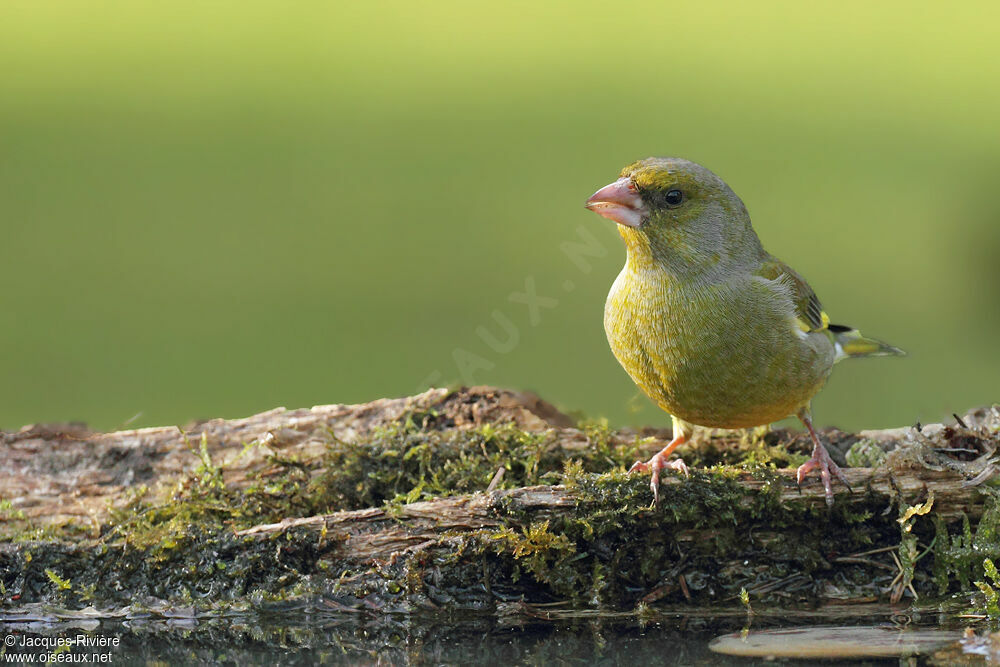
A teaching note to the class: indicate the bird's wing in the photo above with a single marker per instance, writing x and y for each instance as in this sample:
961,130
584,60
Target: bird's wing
809,312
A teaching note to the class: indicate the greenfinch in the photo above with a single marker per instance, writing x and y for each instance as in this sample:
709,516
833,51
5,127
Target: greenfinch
716,331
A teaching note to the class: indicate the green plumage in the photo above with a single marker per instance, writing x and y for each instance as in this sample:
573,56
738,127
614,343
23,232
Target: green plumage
714,329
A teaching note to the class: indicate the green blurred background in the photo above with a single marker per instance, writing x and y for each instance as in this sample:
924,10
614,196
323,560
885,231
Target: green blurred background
212,209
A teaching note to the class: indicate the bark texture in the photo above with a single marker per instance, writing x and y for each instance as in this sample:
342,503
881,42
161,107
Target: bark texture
231,509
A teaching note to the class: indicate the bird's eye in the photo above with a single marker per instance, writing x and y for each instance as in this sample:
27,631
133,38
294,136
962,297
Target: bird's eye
674,198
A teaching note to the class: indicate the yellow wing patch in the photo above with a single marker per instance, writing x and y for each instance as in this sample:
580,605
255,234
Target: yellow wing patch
824,322
809,313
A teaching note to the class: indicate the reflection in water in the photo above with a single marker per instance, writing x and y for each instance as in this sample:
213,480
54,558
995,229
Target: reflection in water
296,636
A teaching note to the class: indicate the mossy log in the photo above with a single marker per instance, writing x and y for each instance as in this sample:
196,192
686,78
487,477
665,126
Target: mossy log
369,537
479,498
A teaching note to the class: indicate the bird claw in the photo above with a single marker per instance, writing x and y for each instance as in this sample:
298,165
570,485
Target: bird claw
655,465
679,466
827,467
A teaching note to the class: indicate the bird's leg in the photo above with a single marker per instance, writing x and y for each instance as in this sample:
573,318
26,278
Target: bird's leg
659,462
820,459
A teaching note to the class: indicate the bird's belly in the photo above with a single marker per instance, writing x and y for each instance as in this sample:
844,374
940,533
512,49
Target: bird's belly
726,365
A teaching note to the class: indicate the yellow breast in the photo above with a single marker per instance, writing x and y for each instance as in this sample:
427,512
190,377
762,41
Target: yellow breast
723,354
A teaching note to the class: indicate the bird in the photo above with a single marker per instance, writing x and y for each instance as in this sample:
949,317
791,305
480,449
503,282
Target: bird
715,330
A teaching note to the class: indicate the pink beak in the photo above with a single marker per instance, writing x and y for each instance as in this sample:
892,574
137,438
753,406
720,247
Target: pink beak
619,202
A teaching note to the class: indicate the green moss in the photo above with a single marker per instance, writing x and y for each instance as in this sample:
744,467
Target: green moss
709,539
865,453
959,551
407,462
180,544
402,462
536,548
60,583
991,598
754,448
8,513
721,536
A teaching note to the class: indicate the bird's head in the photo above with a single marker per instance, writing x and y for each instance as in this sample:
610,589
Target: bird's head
676,211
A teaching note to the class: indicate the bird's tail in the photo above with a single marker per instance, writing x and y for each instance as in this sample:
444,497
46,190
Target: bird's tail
850,343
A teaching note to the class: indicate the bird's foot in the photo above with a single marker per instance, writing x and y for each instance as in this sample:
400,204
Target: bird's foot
656,464
827,469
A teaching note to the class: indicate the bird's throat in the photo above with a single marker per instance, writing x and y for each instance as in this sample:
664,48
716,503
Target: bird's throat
639,248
